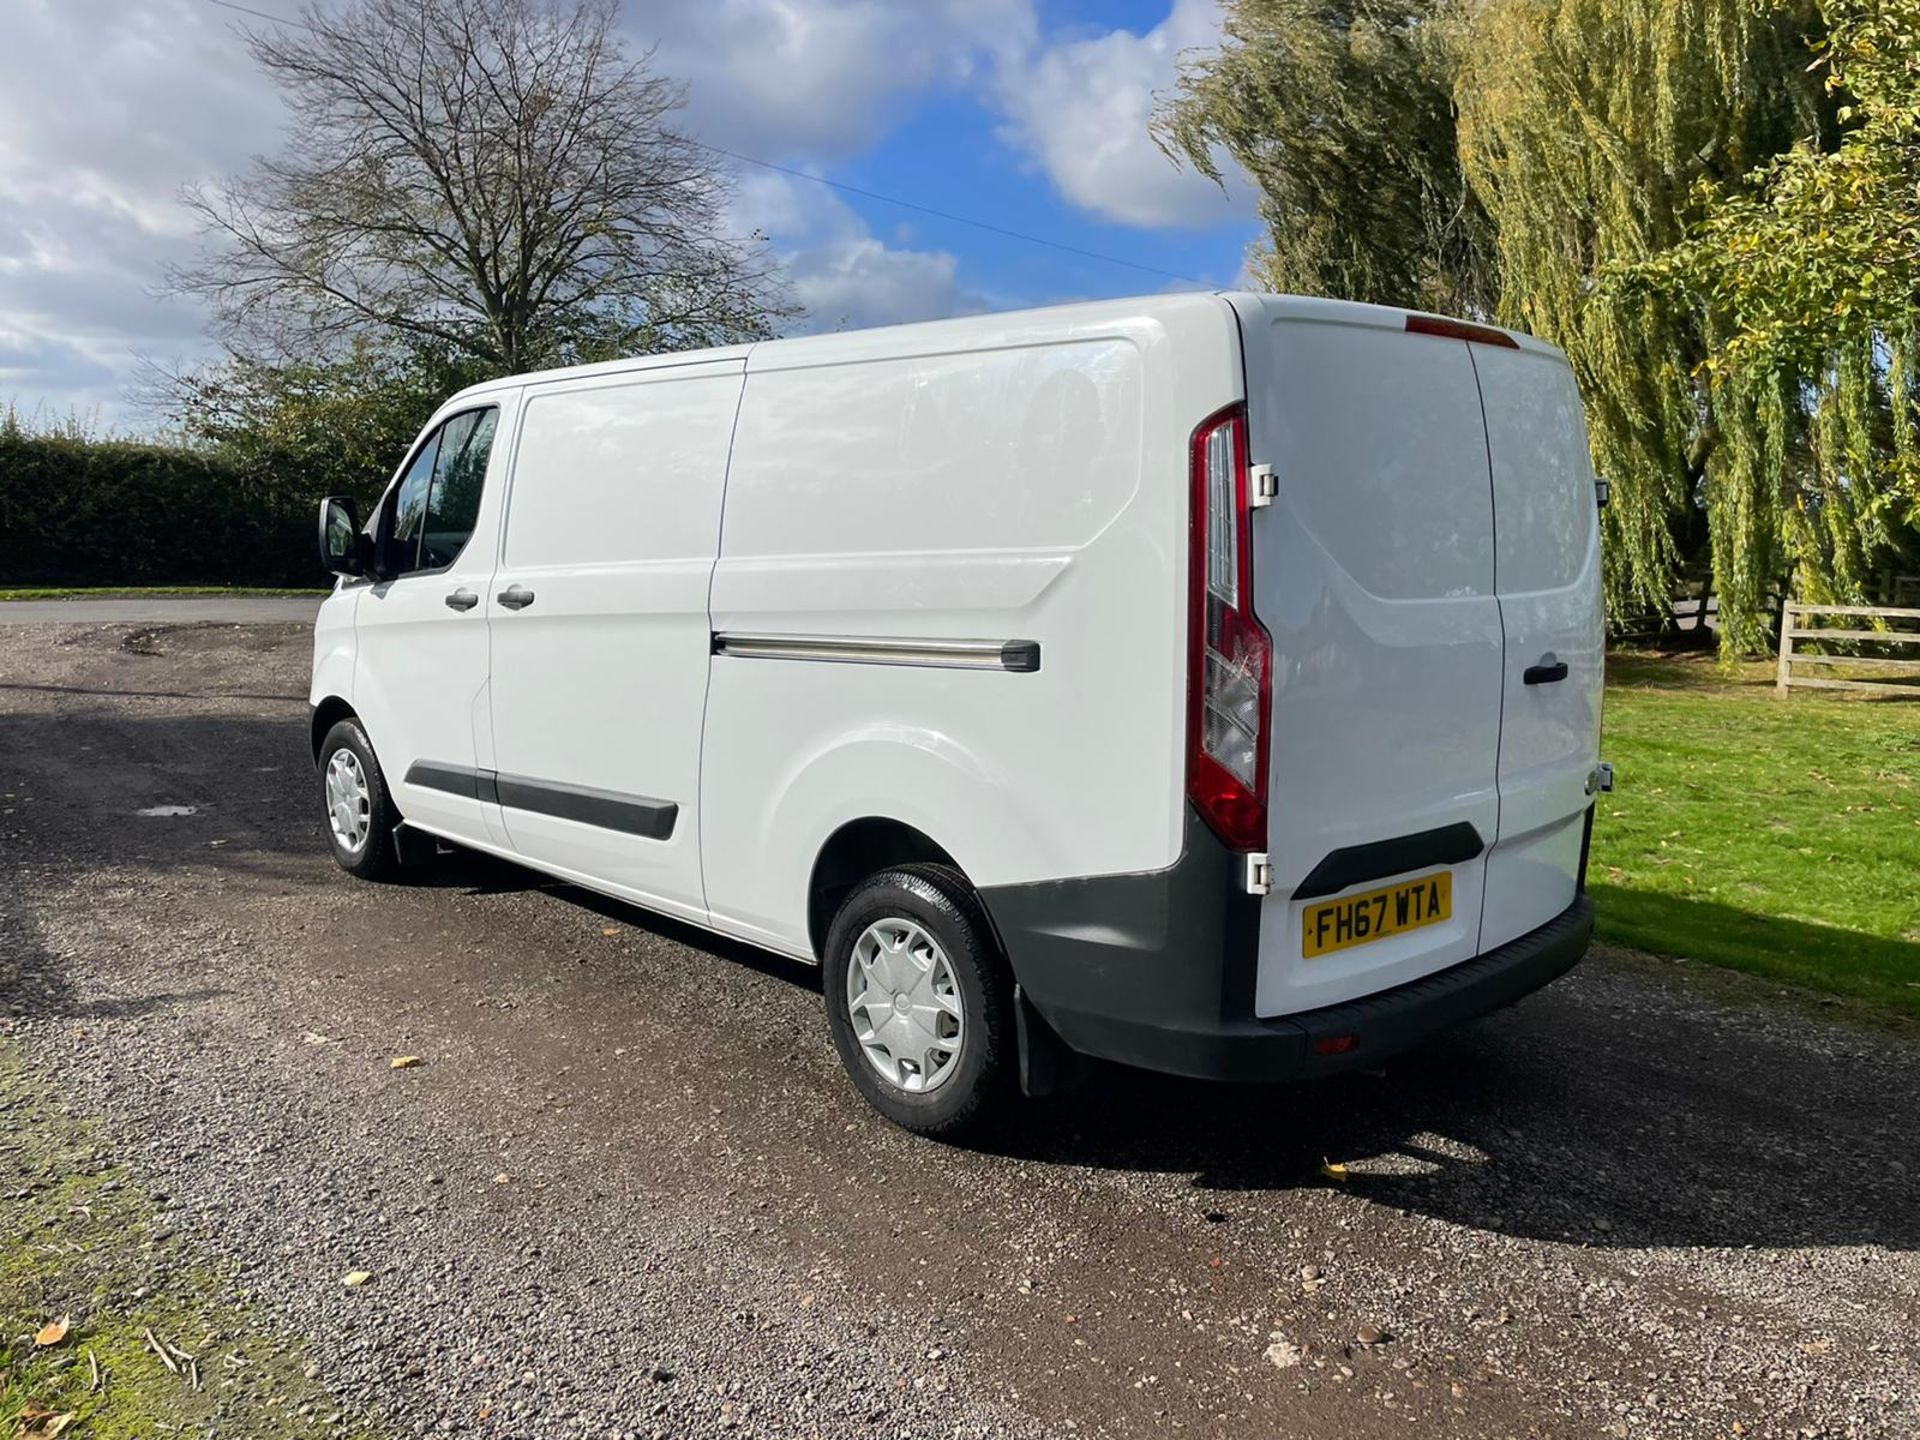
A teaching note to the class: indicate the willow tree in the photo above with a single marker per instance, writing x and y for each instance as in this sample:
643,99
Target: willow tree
1578,136
1587,126
1806,275
1341,111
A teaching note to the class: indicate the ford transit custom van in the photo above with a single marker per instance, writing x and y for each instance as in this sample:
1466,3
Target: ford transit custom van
1209,683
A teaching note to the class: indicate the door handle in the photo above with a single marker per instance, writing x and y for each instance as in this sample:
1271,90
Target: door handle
515,598
1546,672
462,600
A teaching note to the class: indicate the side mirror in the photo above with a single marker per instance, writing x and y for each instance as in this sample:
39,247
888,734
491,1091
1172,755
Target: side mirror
342,546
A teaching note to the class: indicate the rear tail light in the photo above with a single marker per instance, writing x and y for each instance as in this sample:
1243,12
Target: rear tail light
1230,659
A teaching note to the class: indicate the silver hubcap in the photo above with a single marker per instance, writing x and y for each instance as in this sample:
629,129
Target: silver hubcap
349,801
905,1005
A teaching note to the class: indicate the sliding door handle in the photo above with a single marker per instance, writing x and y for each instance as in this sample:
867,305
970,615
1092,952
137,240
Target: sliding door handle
462,600
1546,672
515,598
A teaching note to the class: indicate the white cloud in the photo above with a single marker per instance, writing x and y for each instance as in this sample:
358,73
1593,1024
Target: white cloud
109,107
801,77
106,110
843,274
1079,106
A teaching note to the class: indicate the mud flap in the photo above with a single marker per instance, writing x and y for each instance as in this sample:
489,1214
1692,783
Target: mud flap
1047,1065
413,848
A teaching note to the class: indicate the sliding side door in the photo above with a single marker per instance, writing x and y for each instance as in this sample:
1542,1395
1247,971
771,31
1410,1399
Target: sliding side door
600,632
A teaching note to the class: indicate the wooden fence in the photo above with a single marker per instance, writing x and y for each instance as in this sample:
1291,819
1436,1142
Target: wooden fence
1802,623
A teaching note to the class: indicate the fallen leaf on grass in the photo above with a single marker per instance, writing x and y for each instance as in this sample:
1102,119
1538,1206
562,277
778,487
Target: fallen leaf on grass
53,1332
1333,1169
404,1062
354,1279
38,1424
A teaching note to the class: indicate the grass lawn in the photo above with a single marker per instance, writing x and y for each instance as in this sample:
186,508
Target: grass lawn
1776,836
135,592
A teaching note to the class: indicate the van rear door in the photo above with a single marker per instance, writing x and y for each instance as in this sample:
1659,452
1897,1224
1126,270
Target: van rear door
1547,565
1374,572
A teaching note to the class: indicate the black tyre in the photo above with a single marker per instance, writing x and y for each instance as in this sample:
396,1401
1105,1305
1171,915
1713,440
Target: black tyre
353,797
919,1001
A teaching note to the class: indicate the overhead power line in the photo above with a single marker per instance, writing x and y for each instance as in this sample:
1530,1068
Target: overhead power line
948,215
918,209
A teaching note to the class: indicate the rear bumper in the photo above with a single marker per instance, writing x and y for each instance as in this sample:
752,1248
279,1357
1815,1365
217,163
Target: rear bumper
1156,970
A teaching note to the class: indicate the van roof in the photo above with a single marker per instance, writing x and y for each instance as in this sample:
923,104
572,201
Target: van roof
994,327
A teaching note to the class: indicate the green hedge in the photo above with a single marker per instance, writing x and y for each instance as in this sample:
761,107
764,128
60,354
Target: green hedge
80,511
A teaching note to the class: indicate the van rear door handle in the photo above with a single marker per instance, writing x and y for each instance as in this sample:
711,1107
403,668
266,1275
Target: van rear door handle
1546,672
514,598
462,600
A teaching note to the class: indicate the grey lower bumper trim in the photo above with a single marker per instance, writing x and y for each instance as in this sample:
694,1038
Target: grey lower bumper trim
1157,970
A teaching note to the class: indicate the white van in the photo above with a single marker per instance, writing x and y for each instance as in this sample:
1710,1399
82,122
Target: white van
1209,683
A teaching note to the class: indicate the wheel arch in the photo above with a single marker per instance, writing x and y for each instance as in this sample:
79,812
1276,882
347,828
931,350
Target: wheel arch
857,849
327,714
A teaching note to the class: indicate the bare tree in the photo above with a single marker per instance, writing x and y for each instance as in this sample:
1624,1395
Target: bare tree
494,177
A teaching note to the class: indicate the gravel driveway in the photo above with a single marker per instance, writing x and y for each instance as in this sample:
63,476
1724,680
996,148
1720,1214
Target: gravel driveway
629,1192
164,610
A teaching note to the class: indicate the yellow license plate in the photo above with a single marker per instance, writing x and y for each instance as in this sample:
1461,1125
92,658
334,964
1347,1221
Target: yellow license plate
1357,919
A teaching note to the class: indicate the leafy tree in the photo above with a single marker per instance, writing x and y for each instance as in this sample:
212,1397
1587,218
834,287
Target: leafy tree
336,425
1590,138
491,178
1806,276
1587,133
1342,113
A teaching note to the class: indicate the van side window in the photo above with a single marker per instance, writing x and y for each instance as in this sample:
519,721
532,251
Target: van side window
429,516
400,534
459,472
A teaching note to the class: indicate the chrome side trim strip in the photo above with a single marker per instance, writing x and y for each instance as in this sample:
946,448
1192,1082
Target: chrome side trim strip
1019,656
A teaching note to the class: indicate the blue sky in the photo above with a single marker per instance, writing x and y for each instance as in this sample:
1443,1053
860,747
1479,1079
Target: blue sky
1026,114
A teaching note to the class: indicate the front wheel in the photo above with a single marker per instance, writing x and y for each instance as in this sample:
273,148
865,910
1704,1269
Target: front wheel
919,1002
360,816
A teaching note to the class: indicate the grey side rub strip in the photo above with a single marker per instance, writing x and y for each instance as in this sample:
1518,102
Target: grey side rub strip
1020,656
629,814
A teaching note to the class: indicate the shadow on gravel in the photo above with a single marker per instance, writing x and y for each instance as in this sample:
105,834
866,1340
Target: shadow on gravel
1545,1122
32,688
75,782
475,873
1608,1110
34,985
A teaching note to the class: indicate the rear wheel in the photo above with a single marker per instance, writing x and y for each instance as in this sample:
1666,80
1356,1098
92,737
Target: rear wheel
353,792
919,1002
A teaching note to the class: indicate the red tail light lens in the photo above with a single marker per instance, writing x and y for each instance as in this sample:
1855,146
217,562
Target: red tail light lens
1230,661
